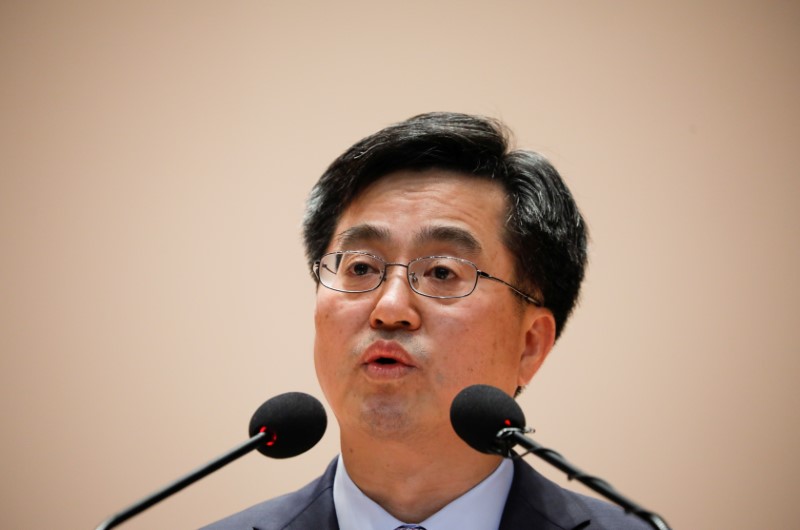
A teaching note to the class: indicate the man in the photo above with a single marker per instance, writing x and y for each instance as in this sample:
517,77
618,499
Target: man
443,260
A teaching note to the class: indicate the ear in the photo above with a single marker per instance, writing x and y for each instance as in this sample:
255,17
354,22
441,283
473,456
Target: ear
539,339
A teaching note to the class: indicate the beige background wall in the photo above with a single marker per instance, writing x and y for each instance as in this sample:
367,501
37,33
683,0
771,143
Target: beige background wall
154,160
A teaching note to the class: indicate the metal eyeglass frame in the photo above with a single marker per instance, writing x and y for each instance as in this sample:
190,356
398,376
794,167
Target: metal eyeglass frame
478,274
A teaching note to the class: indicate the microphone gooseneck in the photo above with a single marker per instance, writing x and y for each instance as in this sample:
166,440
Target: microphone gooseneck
284,426
491,421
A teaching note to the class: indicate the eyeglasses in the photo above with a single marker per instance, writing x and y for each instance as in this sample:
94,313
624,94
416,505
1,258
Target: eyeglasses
352,271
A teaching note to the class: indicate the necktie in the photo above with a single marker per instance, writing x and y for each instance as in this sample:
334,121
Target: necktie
409,527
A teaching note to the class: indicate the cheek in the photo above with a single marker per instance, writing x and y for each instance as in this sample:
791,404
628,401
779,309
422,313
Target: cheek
461,349
339,322
484,349
335,314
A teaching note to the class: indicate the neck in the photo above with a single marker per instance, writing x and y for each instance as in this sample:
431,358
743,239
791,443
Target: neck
413,481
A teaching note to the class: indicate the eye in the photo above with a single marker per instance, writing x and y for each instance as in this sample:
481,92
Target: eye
360,269
360,266
441,273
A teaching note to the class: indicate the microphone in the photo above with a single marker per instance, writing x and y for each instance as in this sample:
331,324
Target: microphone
284,426
292,422
480,412
491,421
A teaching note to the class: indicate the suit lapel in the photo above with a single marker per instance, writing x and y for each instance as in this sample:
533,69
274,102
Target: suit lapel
535,503
320,513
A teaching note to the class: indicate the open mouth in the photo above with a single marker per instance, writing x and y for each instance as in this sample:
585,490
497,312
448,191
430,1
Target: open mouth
385,360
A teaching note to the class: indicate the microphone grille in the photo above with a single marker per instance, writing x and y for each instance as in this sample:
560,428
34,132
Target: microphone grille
294,423
479,412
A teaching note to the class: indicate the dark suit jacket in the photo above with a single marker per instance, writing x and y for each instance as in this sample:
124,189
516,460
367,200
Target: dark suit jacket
534,503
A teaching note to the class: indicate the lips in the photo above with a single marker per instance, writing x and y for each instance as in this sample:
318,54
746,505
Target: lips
387,360
386,352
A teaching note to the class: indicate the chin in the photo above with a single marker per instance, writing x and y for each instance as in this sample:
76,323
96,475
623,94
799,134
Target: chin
385,416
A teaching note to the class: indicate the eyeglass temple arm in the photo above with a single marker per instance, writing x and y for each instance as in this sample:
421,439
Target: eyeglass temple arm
526,296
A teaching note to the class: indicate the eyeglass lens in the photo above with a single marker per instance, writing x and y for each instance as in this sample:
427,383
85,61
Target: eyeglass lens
444,277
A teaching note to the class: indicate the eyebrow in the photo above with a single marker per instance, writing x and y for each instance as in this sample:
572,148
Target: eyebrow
449,234
357,235
363,233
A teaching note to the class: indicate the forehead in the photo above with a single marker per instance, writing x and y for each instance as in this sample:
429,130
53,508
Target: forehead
425,207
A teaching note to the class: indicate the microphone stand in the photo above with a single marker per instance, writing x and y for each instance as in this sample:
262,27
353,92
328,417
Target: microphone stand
512,436
187,480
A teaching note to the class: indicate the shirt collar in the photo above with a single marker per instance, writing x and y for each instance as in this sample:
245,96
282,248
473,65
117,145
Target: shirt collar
481,508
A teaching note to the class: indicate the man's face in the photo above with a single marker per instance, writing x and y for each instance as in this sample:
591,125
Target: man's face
390,361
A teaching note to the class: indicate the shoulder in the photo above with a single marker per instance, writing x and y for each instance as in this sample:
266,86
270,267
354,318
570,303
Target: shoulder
309,507
533,497
606,516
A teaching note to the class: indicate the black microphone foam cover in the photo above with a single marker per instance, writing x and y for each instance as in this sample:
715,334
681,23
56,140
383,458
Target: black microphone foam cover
294,423
479,412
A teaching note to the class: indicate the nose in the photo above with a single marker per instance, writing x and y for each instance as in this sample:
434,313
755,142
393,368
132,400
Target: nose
396,304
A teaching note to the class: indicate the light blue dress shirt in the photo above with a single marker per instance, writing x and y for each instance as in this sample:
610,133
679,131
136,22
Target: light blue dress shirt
481,508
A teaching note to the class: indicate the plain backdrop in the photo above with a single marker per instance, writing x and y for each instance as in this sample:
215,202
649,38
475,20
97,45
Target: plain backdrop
154,162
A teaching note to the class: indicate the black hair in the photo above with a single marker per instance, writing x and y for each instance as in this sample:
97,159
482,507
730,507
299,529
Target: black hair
544,229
